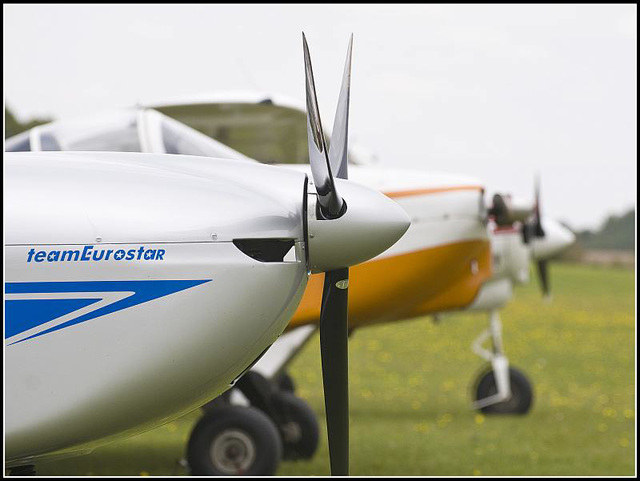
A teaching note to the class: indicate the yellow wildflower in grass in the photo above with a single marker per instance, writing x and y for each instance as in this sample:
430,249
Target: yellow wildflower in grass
479,419
422,427
447,385
366,393
445,419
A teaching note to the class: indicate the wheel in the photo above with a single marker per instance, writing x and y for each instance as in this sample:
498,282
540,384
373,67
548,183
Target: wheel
521,393
234,440
285,383
297,424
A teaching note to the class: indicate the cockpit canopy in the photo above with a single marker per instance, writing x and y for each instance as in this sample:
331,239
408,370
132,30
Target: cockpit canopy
269,128
133,130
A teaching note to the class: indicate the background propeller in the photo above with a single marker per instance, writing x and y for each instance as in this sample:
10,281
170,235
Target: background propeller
506,213
334,311
538,231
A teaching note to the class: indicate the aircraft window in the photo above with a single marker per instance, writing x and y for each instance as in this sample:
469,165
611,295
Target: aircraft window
179,139
174,143
122,139
110,133
48,142
266,133
18,143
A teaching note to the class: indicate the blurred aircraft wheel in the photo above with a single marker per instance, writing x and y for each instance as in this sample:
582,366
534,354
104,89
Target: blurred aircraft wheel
285,383
234,440
297,424
521,393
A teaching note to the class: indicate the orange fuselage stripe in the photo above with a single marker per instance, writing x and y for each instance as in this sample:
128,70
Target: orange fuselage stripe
407,285
435,190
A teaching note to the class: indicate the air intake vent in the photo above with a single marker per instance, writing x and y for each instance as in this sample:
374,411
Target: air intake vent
265,250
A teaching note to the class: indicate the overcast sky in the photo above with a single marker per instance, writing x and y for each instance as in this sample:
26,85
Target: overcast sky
497,92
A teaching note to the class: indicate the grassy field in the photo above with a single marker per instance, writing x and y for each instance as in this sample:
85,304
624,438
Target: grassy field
410,394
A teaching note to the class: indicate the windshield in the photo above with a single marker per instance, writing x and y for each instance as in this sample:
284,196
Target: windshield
113,133
177,138
128,131
264,131
18,143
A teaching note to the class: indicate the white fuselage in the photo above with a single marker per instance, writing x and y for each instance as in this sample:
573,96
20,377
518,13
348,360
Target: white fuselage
125,297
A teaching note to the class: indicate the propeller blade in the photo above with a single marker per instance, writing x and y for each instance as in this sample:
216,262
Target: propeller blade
543,275
331,204
340,134
334,321
335,367
538,230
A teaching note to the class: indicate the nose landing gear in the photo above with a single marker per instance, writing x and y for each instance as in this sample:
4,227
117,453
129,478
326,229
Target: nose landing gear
233,439
501,389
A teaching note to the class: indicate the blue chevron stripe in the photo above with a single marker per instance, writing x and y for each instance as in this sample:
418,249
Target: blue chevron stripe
24,314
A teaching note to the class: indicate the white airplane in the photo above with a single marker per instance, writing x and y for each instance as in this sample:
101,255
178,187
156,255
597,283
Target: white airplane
443,262
519,236
139,286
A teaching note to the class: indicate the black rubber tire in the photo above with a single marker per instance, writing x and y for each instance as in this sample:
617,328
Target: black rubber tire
285,383
521,393
255,432
297,424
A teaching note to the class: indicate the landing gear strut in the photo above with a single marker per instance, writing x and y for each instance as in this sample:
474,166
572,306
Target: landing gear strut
294,419
501,389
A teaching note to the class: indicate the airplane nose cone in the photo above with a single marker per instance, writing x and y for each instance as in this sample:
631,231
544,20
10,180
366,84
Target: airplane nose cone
565,237
557,238
371,224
